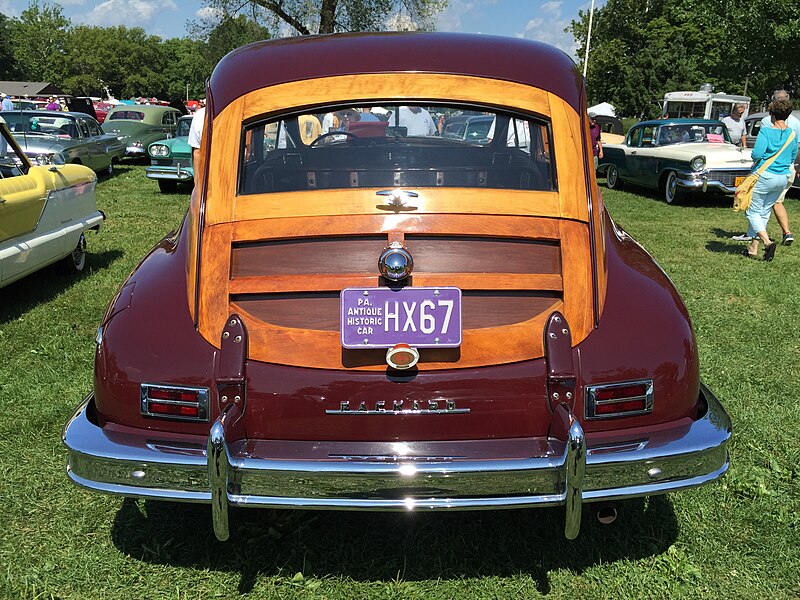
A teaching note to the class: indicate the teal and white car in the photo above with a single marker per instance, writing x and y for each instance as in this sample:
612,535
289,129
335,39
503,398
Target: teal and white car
171,160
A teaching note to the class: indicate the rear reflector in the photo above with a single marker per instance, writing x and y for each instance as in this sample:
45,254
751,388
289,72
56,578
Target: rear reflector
173,402
619,399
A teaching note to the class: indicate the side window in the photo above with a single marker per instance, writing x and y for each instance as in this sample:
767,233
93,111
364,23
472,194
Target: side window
168,118
648,135
635,137
94,129
84,128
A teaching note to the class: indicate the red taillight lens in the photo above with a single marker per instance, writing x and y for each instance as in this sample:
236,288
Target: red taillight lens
173,402
619,399
176,395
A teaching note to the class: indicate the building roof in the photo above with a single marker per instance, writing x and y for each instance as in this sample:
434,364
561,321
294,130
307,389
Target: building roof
19,89
273,62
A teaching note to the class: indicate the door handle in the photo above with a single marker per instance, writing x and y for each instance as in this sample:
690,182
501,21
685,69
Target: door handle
633,152
2,200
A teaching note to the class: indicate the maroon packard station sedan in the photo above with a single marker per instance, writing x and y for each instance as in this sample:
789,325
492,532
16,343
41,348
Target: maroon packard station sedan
358,312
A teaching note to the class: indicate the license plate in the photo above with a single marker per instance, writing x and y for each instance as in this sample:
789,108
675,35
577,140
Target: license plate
422,317
737,182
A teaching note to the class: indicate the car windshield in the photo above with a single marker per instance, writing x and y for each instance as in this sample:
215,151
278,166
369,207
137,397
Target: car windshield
183,128
692,132
63,127
391,146
127,115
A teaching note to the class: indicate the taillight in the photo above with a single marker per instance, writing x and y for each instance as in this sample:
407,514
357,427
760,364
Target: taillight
619,399
174,402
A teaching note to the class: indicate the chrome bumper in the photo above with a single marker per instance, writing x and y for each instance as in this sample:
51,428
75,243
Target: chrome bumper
703,181
171,173
561,469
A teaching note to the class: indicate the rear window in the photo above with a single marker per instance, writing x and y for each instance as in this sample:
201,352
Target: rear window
392,146
128,115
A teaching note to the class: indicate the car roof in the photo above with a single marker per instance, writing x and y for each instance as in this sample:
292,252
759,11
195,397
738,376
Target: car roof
145,108
46,113
761,115
273,62
657,122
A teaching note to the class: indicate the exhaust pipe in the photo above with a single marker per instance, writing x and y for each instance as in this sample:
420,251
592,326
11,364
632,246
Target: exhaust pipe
607,514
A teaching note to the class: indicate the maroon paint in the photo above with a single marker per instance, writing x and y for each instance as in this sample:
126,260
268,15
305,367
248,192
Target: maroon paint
644,332
273,62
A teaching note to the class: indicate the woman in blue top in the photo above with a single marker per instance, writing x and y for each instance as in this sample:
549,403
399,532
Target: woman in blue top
770,142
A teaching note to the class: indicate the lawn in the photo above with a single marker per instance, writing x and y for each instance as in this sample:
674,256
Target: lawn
736,538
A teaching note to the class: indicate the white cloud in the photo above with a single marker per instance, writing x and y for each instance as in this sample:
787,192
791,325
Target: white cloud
450,18
208,13
72,2
138,13
549,28
8,10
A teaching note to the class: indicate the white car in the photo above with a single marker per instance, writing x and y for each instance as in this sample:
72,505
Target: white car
45,210
676,156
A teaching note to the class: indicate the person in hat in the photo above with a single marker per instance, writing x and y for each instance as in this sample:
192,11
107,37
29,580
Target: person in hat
597,143
6,103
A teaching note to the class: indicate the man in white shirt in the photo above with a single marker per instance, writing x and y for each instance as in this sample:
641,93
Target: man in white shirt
196,136
736,126
417,120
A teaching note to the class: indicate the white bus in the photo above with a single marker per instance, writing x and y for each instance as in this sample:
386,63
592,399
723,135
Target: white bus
702,104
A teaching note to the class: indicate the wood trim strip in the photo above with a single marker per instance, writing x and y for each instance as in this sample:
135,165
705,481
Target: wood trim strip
473,225
337,282
576,256
363,201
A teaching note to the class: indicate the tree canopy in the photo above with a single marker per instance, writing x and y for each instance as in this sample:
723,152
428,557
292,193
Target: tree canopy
642,49
305,17
86,60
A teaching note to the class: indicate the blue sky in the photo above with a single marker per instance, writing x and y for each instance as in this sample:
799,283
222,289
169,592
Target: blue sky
534,19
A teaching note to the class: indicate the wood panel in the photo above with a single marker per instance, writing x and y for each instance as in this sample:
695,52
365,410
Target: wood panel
337,282
364,201
457,224
359,255
363,88
480,347
576,260
214,279
320,312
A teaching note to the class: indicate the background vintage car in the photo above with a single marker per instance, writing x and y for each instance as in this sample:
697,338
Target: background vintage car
75,136
139,125
530,353
171,159
44,213
753,125
467,127
676,156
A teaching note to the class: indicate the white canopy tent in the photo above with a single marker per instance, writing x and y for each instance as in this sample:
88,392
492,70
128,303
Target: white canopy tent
604,108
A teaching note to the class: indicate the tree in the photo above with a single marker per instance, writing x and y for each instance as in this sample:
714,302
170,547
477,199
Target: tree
9,69
641,50
38,41
128,61
230,33
330,16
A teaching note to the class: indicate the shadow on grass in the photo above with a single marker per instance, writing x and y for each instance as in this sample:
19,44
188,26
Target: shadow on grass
367,546
42,286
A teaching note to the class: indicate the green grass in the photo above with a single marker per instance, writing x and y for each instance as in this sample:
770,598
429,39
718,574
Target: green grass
736,538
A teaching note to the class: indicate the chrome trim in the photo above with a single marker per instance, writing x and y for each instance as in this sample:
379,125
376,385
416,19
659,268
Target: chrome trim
545,471
575,472
591,402
202,402
397,408
170,173
218,466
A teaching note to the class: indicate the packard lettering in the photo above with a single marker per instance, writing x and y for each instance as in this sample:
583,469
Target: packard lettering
417,408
